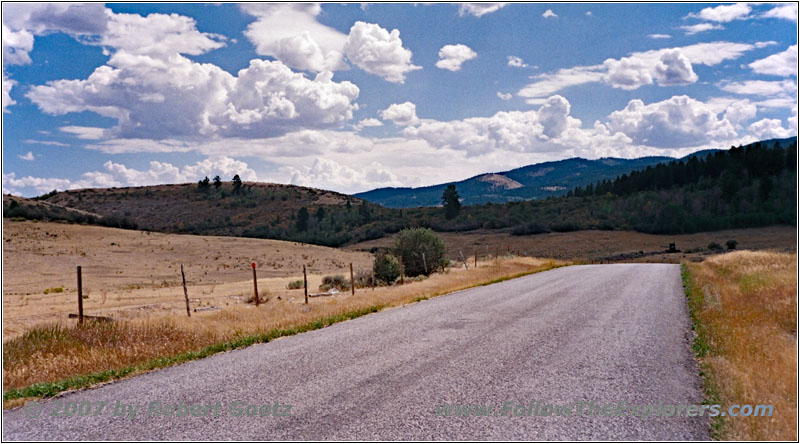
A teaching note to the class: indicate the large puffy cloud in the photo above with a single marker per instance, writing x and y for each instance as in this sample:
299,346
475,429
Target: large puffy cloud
452,56
157,35
780,64
479,9
736,111
518,131
723,13
161,97
667,67
328,174
402,114
676,122
671,68
291,33
379,52
119,175
771,128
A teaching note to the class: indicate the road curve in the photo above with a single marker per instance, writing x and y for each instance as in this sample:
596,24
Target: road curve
594,333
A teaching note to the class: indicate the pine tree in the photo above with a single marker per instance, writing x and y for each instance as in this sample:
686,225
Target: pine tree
451,202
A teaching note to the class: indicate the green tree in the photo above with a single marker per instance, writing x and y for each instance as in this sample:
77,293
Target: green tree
420,250
237,184
320,214
203,184
386,267
301,222
451,202
217,182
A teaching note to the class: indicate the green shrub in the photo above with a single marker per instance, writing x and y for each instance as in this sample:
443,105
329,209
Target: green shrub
336,281
386,268
295,285
420,250
715,246
731,244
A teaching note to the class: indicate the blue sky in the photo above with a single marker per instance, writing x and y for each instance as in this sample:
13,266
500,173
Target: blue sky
352,97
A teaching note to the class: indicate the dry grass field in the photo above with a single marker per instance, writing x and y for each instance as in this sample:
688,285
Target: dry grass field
131,274
608,246
41,346
745,309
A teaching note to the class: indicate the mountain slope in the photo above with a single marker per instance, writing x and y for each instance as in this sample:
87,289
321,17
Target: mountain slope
536,181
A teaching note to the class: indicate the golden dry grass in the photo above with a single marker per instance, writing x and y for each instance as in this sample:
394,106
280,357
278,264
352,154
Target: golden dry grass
745,308
54,353
129,274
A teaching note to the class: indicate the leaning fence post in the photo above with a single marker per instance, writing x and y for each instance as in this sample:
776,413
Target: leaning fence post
305,283
80,297
463,260
352,281
255,282
424,263
185,292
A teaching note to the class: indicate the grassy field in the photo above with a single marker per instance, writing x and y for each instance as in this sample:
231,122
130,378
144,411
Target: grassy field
607,246
744,306
47,353
129,274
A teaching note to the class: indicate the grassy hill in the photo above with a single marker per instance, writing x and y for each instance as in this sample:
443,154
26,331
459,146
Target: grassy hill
255,210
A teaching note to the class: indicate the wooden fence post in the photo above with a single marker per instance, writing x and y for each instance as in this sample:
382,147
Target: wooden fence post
185,292
352,281
80,296
463,260
373,280
424,263
305,283
476,258
255,282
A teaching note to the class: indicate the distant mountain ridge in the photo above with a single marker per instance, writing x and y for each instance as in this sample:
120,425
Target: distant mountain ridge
537,181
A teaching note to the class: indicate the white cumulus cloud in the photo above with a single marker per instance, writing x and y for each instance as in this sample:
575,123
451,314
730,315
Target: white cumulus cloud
452,56
291,33
401,114
549,13
723,13
676,122
379,52
770,129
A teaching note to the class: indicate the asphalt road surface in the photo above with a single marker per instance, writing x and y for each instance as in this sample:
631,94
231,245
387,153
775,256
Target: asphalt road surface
594,334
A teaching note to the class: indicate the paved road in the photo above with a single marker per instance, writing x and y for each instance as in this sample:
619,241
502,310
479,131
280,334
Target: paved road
596,333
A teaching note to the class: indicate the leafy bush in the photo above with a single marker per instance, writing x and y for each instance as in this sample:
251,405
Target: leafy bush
731,244
420,250
295,285
336,281
715,246
387,268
